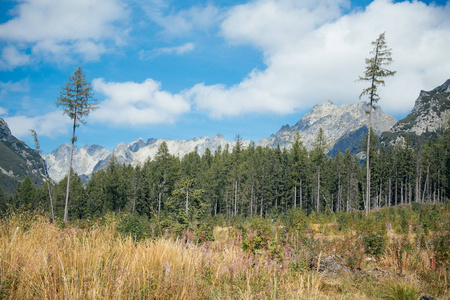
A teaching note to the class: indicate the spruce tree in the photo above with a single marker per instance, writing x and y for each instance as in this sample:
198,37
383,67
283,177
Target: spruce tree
318,158
77,100
374,74
47,179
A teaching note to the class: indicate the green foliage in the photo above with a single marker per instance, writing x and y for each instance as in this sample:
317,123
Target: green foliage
296,221
258,236
441,248
138,227
374,244
402,291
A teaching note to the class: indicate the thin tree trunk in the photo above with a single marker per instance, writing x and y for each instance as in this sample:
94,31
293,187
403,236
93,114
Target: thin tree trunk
396,191
390,192
301,197
187,200
261,207
251,202
159,202
368,163
401,193
235,199
318,190
295,196
66,208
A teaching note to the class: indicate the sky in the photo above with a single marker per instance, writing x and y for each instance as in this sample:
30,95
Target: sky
188,68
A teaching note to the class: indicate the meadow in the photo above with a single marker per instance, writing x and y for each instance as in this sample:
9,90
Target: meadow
394,253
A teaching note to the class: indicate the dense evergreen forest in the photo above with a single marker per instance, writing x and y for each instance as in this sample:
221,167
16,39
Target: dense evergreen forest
254,181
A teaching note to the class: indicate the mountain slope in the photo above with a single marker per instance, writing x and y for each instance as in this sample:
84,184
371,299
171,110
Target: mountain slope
17,161
92,158
337,123
430,114
343,124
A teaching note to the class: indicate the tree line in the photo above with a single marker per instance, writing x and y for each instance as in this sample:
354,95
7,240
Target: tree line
253,181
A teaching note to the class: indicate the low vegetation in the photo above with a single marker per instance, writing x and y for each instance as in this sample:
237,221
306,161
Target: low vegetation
394,253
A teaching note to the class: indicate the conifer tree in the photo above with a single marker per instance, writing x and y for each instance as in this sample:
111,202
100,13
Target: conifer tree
77,100
47,179
318,158
374,74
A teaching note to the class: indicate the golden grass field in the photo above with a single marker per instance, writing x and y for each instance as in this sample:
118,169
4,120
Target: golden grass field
39,260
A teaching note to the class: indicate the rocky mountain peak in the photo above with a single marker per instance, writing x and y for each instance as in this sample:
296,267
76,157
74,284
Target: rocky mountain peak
17,161
430,113
336,121
5,132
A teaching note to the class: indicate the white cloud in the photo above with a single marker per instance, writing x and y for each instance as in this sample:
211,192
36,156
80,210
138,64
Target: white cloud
12,58
3,111
177,50
178,24
313,52
62,28
51,124
8,87
131,103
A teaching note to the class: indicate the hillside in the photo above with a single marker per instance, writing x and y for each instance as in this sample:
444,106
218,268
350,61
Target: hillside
430,114
17,161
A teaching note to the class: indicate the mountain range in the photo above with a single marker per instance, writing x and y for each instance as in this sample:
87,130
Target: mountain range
344,126
340,124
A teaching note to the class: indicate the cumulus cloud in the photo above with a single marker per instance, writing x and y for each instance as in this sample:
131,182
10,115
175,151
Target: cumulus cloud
177,50
59,29
12,58
51,124
131,103
13,87
180,23
314,51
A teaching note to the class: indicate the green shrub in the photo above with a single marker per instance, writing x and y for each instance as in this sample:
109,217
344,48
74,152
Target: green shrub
296,220
138,227
258,236
402,291
441,247
374,244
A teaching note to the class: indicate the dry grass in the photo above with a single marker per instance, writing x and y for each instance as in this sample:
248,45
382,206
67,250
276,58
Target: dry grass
42,261
39,260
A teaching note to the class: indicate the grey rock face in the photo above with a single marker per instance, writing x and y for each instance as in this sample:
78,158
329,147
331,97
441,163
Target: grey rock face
17,161
336,121
430,113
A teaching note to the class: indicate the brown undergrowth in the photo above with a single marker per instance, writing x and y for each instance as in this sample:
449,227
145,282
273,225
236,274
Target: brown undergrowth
39,260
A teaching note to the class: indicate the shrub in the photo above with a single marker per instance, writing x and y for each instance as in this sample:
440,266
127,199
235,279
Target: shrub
296,220
441,249
402,291
374,244
138,227
258,236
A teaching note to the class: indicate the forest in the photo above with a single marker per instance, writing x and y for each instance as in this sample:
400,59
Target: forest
254,181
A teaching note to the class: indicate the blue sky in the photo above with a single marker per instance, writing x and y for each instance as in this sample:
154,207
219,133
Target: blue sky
182,69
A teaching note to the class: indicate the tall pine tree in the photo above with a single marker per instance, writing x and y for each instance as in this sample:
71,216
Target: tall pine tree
374,74
77,100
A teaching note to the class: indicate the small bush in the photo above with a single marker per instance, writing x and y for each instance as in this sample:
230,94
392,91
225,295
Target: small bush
258,236
138,227
402,291
441,247
374,244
